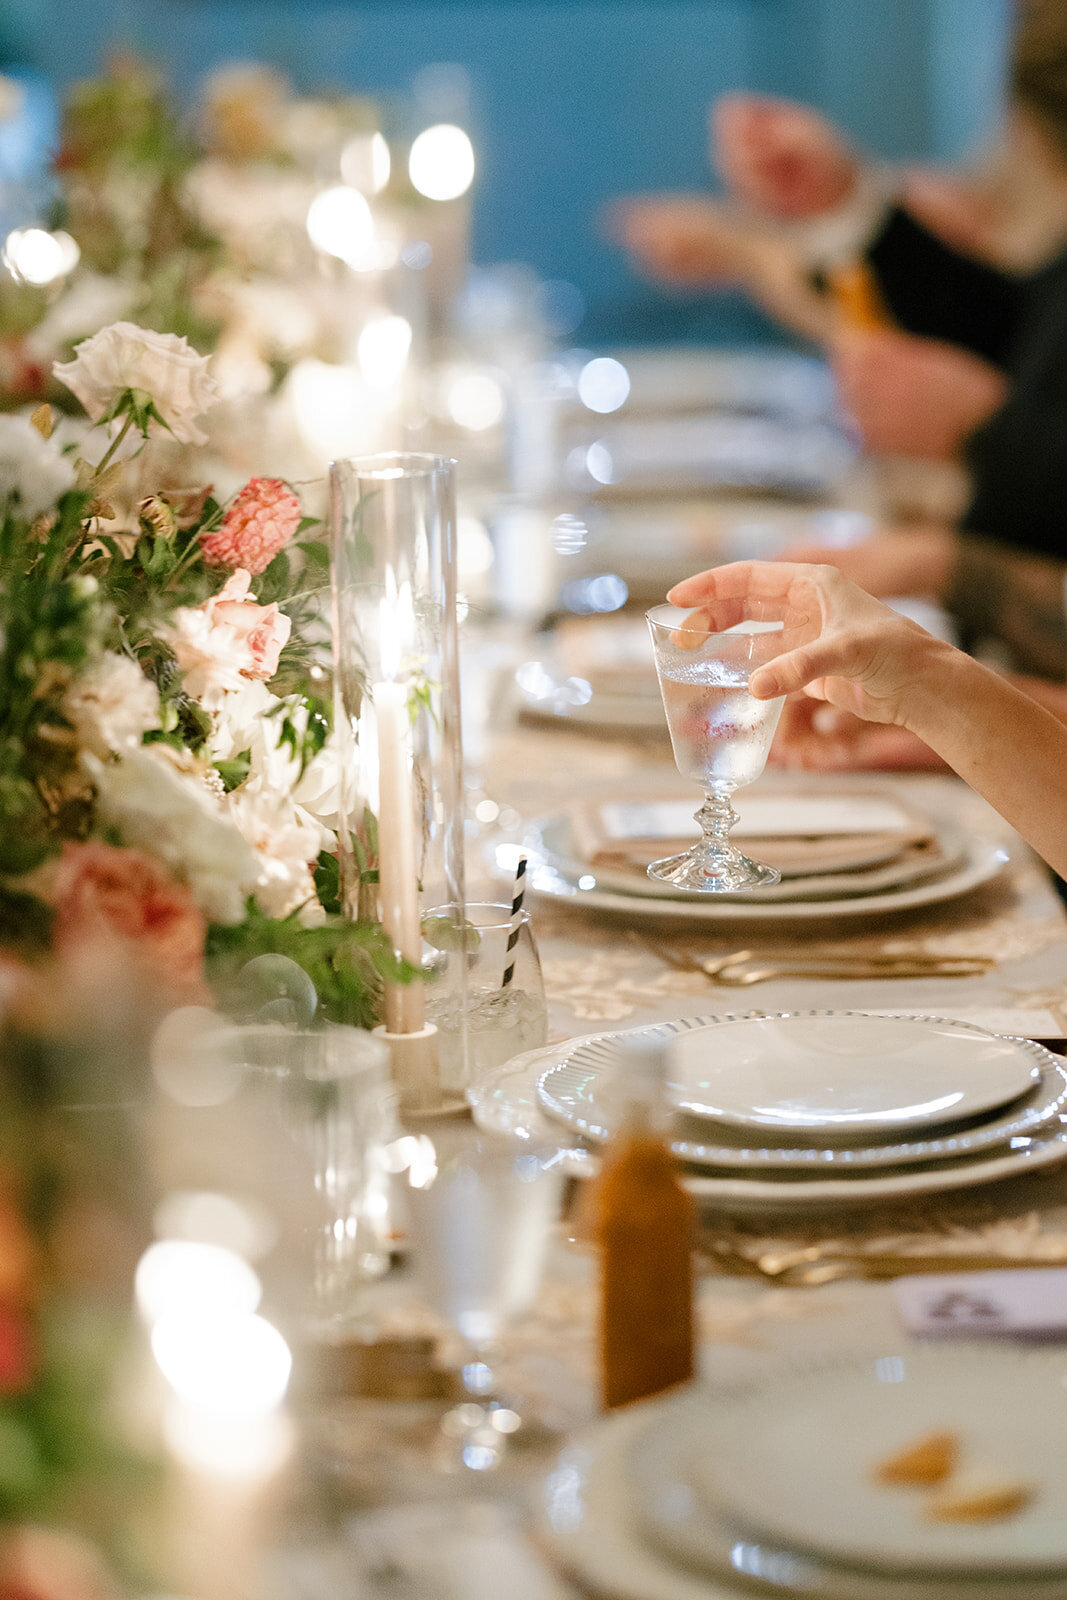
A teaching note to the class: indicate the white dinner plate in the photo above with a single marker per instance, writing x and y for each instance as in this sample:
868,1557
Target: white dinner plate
794,1459
577,1090
611,1524
507,1102
875,869
983,859
837,1075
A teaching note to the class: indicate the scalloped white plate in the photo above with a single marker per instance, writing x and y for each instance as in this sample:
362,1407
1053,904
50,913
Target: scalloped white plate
619,1513
577,1091
832,1077
982,860
507,1103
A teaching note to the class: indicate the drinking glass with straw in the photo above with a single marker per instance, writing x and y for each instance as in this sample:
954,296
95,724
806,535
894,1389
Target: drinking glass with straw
505,1002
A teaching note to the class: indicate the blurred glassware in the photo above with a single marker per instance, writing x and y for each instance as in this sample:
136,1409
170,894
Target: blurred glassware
295,1125
480,1226
505,1014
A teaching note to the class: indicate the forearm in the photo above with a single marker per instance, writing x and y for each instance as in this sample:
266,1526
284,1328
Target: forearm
999,591
1000,741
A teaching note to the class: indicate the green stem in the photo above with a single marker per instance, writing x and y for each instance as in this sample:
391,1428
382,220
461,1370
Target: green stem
113,446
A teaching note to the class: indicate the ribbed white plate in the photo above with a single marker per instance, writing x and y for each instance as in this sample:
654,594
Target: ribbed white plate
507,1102
619,1514
577,1091
882,873
982,860
835,1077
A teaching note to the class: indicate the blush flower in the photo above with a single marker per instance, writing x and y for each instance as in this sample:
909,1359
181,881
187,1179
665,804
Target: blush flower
124,356
261,521
107,892
263,630
228,640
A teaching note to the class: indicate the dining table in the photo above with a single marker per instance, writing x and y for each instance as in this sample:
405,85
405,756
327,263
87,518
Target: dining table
771,1289
368,1508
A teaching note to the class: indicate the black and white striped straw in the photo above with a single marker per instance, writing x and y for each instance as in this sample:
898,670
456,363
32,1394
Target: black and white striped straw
516,921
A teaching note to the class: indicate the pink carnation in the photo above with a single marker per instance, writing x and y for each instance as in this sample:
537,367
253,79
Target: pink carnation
261,521
104,893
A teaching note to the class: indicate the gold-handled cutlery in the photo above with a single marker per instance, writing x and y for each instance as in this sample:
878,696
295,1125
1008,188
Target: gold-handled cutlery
741,968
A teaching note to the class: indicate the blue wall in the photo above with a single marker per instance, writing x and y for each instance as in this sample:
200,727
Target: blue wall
577,100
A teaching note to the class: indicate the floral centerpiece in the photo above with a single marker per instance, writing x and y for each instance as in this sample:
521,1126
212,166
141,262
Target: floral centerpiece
168,782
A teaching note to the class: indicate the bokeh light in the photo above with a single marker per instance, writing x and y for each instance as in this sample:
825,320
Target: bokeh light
441,163
475,401
188,1276
383,349
234,1365
35,256
603,384
339,222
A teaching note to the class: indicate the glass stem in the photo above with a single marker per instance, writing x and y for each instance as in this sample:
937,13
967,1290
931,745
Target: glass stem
716,817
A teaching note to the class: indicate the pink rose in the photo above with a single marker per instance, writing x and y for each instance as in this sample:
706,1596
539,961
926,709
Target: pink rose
262,630
261,521
104,893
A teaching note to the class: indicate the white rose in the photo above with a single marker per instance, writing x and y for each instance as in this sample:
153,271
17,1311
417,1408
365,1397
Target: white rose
285,847
112,706
125,356
32,471
173,816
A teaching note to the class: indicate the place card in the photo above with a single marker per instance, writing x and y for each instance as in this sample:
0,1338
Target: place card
1028,1302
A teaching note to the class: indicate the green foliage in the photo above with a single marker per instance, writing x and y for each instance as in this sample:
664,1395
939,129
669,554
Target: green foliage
346,961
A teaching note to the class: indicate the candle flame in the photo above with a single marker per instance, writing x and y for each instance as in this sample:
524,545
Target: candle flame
397,625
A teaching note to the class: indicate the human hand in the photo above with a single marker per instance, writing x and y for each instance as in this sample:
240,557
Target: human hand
895,561
840,645
815,737
915,397
683,239
780,156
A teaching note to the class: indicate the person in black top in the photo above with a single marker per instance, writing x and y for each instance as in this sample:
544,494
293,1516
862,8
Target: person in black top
975,365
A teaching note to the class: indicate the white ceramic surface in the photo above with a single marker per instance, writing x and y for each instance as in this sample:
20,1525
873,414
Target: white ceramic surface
982,861
577,1092
507,1103
841,1075
874,870
794,1458
638,1534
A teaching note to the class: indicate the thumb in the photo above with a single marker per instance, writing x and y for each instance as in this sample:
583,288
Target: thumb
795,669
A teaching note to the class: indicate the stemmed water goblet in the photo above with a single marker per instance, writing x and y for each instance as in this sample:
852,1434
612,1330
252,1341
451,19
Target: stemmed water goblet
480,1225
720,735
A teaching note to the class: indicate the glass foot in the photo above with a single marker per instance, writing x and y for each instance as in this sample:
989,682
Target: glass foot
701,871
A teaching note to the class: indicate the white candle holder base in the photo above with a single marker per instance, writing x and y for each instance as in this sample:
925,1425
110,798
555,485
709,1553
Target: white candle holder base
416,1071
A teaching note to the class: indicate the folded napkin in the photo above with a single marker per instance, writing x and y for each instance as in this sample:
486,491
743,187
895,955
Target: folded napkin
804,833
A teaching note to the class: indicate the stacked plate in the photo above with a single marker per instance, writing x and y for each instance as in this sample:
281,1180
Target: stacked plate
695,1496
849,852
813,1108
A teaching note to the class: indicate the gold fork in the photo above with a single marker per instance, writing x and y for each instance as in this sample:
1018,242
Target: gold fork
741,968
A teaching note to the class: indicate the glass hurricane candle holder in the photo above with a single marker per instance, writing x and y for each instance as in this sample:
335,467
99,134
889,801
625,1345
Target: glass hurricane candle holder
397,706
